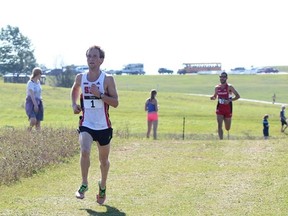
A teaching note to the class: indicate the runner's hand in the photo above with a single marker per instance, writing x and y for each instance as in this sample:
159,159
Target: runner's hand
76,109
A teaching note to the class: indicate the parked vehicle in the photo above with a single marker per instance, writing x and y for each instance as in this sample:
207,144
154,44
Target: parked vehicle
238,69
81,69
267,70
190,68
54,72
132,69
165,70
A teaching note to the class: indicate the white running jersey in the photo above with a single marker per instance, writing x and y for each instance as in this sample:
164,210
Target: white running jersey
95,111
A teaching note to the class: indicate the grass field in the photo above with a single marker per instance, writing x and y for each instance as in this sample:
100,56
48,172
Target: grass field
175,100
196,176
164,178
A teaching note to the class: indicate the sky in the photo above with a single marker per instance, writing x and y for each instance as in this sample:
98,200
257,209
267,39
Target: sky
157,33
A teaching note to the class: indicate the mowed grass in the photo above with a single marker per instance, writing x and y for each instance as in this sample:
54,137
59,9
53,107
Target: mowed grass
164,178
176,103
199,175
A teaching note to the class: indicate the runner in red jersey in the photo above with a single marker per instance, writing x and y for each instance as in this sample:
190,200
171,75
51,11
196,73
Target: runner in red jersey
225,93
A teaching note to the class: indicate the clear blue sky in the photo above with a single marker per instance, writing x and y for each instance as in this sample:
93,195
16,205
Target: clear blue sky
158,33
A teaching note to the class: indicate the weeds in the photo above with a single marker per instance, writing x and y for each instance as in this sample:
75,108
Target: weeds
24,153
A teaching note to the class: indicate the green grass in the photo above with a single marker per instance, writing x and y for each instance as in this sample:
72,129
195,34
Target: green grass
260,87
174,99
196,176
164,178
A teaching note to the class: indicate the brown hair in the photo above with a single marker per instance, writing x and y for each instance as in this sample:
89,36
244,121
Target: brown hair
35,72
153,93
102,53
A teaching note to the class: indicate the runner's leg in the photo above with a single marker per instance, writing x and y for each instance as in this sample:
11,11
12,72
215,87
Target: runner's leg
227,122
85,140
220,119
155,126
149,126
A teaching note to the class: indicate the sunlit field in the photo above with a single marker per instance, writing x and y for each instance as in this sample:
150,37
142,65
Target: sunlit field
177,100
187,171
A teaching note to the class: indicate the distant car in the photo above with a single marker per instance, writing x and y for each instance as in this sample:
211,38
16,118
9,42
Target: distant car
81,69
54,72
267,70
110,71
131,69
165,70
238,69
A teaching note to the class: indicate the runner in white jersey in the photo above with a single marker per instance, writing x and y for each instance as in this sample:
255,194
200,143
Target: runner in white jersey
95,111
98,92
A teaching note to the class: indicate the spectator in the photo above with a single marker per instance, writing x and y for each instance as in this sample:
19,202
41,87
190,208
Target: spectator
34,105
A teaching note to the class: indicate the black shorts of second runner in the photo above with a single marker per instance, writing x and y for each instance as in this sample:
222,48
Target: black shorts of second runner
103,137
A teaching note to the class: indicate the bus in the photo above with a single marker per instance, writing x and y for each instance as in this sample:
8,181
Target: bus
190,68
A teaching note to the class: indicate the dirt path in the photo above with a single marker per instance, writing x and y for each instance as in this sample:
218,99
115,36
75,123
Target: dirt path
243,99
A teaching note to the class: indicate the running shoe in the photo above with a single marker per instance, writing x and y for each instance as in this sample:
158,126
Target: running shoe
102,194
80,194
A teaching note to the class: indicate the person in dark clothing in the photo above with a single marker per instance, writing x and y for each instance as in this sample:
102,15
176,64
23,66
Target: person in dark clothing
266,126
283,118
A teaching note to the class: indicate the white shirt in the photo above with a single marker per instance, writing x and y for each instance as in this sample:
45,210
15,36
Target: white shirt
35,87
95,113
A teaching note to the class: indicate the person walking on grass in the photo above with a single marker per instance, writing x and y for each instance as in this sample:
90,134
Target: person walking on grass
266,126
34,105
98,92
225,93
274,98
151,107
283,118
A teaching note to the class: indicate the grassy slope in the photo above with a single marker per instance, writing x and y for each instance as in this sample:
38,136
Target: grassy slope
174,99
166,177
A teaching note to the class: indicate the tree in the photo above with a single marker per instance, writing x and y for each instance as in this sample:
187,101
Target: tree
64,79
16,54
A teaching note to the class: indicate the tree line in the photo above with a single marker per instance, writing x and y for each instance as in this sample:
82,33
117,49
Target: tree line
16,53
17,57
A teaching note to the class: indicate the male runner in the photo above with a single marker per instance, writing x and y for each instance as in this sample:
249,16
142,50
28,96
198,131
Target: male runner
225,93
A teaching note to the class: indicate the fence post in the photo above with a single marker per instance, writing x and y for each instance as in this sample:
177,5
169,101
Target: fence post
183,135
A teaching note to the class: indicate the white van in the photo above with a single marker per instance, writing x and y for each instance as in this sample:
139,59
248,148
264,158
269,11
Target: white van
133,69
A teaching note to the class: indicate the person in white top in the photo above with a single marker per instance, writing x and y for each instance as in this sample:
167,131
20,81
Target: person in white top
98,92
34,105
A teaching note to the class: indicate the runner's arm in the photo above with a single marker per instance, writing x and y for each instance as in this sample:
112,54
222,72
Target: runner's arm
75,90
111,96
236,94
213,97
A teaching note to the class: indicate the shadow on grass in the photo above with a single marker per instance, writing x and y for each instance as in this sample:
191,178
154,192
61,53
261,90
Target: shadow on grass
110,211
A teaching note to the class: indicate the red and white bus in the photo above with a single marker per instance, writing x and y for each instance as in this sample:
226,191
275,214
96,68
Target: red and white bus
190,68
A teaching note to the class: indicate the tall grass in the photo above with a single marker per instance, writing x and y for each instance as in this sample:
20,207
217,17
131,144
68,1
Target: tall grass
24,154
